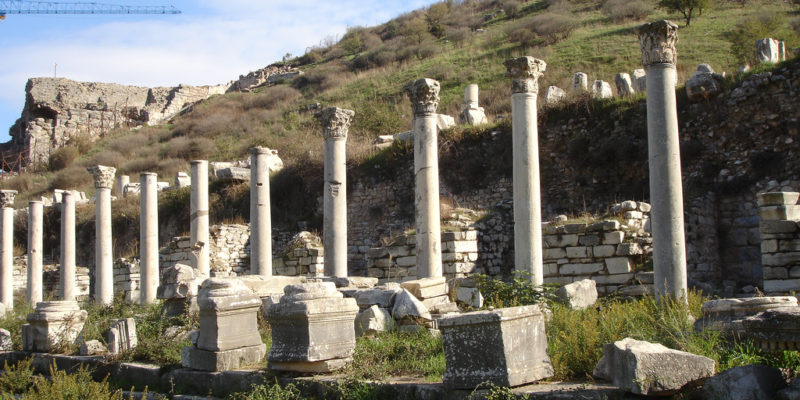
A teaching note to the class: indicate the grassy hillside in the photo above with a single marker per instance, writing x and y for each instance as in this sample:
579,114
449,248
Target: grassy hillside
455,42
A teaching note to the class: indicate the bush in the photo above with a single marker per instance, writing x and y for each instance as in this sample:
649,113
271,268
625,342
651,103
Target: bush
82,142
129,144
458,35
189,148
620,10
78,385
398,353
63,157
272,98
71,178
18,377
312,56
553,26
523,36
519,291
111,158
512,8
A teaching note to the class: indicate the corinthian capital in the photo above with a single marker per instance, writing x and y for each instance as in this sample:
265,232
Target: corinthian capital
424,95
657,40
335,122
524,73
7,198
103,176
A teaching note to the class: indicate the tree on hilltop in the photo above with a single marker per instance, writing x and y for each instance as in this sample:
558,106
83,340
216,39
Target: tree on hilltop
686,7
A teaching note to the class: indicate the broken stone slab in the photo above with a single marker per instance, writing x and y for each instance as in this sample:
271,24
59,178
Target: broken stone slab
312,322
358,282
774,330
178,289
470,296
788,212
122,336
373,320
506,347
578,295
194,358
426,287
650,369
624,84
580,82
728,314
777,198
236,174
768,50
92,348
703,84
554,94
407,308
751,382
382,296
52,325
601,90
640,80
6,344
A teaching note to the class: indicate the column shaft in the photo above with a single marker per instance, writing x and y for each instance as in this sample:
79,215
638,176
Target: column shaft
334,234
67,276
428,221
199,217
104,259
526,185
35,223
7,257
260,214
148,237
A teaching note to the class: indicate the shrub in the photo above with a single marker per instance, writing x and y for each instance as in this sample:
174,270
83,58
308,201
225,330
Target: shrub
18,377
73,177
312,56
129,144
77,385
523,36
82,142
553,26
109,158
272,97
63,157
427,49
398,353
269,392
458,35
518,291
620,10
146,163
189,148
21,183
512,8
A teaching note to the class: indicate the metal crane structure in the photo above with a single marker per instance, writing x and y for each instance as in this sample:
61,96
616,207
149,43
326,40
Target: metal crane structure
55,7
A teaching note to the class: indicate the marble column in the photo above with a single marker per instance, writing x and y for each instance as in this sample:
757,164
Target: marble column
657,41
335,124
103,256
260,213
148,237
199,217
119,189
35,225
524,73
7,247
424,96
67,276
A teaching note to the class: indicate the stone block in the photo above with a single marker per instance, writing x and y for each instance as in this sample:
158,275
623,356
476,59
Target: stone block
780,259
399,251
312,322
52,325
781,286
578,295
789,245
91,348
776,273
617,279
406,261
205,360
650,369
506,347
407,307
613,237
777,198
618,265
645,277
377,252
550,269
558,280
373,320
581,269
311,367
629,249
560,240
777,226
769,246
553,253
426,287
122,336
579,252
589,240
751,382
228,315
604,251
463,246
791,213
774,330
636,290
434,303
469,296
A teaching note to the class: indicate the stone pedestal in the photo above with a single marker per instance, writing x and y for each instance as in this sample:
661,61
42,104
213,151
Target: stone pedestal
312,329
67,275
199,217
52,326
178,289
229,336
104,259
7,247
335,124
260,213
424,96
148,237
524,73
507,347
35,226
657,41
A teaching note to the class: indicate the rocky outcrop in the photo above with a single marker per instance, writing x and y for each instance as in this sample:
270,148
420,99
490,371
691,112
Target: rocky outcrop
269,75
58,109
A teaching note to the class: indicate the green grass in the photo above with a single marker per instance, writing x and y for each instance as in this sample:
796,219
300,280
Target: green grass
398,353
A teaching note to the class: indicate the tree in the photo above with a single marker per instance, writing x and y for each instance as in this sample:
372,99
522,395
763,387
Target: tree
686,7
434,17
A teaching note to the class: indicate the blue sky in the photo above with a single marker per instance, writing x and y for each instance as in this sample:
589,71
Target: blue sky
211,42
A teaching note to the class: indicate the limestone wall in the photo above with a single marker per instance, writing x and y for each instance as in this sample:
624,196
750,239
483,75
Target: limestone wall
398,260
780,241
50,279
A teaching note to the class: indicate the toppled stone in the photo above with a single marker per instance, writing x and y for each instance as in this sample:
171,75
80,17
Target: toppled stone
650,369
554,94
640,80
580,82
728,314
507,347
469,296
52,325
373,320
122,336
703,84
178,289
408,310
578,295
768,50
751,382
382,296
6,344
624,84
602,90
774,330
426,287
234,174
92,348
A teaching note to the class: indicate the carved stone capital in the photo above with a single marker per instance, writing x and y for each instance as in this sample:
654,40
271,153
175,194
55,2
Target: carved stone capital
262,150
103,176
335,122
7,198
424,95
524,73
657,40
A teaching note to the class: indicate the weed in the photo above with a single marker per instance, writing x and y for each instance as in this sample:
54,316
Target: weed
398,353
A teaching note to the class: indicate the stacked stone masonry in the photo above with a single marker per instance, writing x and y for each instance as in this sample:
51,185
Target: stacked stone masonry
50,279
398,261
780,241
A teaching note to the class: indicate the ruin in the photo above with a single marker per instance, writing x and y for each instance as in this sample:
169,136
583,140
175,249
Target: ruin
104,259
35,249
148,237
7,247
260,210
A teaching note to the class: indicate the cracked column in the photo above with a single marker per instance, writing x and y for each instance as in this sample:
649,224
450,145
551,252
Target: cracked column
148,236
524,73
67,276
103,256
35,224
260,213
199,217
7,248
424,96
335,124
657,41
